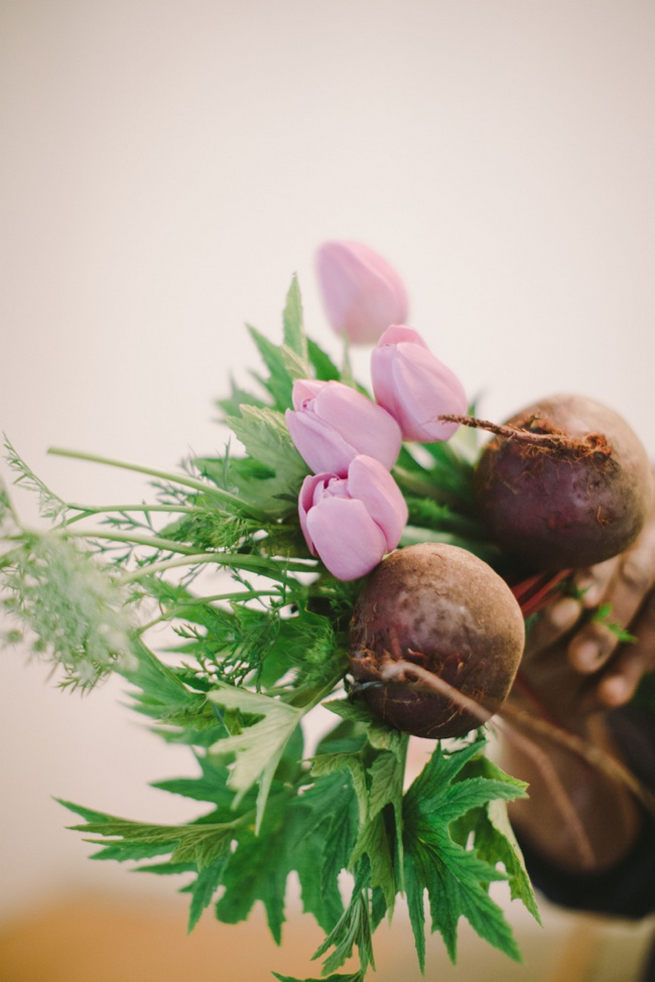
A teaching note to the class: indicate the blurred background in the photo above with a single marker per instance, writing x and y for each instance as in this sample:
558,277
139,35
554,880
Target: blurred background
166,167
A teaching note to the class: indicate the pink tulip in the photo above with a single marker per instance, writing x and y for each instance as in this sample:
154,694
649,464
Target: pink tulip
362,293
332,423
351,522
414,386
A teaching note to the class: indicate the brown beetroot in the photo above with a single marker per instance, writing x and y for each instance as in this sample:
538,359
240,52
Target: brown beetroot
571,502
445,610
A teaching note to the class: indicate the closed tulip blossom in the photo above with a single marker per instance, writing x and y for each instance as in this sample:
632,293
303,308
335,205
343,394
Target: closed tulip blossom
414,386
362,294
351,522
332,423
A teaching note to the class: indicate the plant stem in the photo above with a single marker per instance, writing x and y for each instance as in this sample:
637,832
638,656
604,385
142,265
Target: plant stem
253,564
215,598
87,510
152,541
188,482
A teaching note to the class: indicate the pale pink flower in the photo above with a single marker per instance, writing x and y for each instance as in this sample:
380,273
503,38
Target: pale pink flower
351,522
332,423
414,386
362,294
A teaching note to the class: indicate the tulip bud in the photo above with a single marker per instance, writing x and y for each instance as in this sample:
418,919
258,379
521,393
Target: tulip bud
332,423
414,386
351,522
362,293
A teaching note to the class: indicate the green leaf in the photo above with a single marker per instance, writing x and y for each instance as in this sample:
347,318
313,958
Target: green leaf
200,844
272,486
350,977
210,785
497,843
294,334
373,842
320,826
454,877
50,504
204,887
380,735
329,763
353,930
285,365
603,616
258,748
68,606
324,368
253,873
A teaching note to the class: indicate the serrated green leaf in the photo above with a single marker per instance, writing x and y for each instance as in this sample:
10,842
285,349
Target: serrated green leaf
197,843
380,735
324,368
350,977
454,877
272,487
500,845
204,887
353,930
373,842
292,318
284,363
258,748
603,616
329,763
494,839
257,870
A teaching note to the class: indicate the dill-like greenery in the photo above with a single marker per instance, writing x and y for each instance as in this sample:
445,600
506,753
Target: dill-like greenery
206,600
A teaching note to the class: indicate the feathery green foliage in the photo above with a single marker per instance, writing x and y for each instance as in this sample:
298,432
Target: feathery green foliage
254,639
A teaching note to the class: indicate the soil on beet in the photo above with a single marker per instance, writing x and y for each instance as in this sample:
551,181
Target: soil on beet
557,507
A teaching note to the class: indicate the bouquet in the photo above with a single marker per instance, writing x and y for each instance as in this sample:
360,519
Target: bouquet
357,556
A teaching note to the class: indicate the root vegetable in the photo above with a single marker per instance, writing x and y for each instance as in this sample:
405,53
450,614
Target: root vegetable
579,496
441,608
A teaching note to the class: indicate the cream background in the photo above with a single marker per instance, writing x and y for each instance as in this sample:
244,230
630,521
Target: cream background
166,166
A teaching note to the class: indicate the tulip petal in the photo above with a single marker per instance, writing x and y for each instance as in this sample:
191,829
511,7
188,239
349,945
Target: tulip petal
362,293
305,389
384,386
305,503
361,422
348,541
319,445
374,486
396,333
425,388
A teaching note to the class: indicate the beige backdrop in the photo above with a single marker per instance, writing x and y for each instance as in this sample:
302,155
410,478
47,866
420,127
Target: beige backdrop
167,165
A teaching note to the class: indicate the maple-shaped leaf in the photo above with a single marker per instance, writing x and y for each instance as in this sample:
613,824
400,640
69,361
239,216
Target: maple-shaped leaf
259,747
454,876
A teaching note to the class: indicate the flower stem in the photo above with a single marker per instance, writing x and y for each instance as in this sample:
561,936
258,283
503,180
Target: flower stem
253,564
86,511
188,482
152,541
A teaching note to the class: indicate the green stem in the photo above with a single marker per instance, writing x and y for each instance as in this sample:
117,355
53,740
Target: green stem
152,541
253,564
188,482
87,510
216,598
